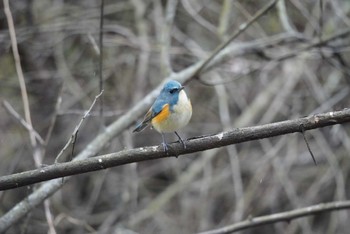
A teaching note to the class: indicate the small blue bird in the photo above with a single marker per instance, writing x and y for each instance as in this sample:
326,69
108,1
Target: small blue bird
171,111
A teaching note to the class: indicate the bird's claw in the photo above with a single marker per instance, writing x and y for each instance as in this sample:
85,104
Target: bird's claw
183,143
180,140
165,147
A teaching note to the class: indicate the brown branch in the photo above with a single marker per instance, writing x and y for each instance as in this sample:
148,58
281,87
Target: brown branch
283,216
235,136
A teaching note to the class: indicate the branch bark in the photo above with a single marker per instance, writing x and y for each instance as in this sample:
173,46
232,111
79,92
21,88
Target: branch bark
235,136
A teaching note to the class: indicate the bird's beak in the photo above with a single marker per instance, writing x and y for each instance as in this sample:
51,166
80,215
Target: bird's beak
181,88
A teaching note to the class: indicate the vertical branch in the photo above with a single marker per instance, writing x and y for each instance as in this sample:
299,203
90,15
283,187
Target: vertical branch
320,20
283,15
224,17
225,119
101,61
165,38
36,154
49,217
142,28
54,118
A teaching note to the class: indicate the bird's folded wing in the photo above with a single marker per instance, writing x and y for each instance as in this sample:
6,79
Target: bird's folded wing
151,115
161,115
148,116
146,120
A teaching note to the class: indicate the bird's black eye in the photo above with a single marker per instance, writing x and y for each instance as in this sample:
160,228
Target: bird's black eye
172,91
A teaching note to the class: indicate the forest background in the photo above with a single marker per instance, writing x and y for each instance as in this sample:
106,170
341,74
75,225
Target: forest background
289,62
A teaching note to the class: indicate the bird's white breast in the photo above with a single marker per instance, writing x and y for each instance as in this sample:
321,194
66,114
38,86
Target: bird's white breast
179,117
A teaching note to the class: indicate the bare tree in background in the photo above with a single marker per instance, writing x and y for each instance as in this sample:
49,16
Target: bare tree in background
289,63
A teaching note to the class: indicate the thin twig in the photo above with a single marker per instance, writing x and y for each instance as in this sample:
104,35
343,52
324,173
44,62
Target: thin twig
73,136
101,61
320,20
283,216
187,5
302,130
27,126
240,30
93,113
73,145
315,44
49,217
77,222
55,114
226,11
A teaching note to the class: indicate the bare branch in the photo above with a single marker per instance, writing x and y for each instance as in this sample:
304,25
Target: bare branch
226,11
315,44
144,45
17,116
283,216
49,217
307,144
283,15
75,132
100,67
166,35
236,136
196,16
36,154
240,30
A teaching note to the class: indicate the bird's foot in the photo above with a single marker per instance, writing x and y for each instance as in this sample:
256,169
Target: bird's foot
181,140
165,147
182,143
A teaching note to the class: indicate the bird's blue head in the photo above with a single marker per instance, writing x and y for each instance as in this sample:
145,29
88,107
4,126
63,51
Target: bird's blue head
170,92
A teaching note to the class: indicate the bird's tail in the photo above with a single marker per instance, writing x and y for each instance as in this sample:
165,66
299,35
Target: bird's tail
140,127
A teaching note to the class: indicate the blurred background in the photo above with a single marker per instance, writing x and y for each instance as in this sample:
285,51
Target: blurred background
274,71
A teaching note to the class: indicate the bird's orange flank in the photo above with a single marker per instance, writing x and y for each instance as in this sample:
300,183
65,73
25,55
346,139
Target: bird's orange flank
162,116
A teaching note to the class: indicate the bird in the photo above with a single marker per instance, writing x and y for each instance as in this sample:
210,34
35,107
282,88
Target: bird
171,111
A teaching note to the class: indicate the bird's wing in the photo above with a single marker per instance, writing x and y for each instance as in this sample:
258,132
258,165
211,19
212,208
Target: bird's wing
148,116
162,115
156,113
146,120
